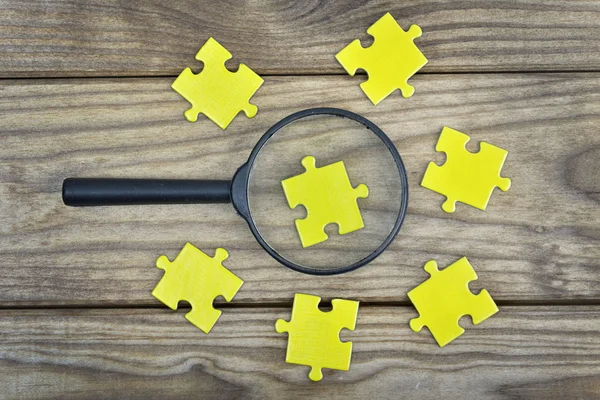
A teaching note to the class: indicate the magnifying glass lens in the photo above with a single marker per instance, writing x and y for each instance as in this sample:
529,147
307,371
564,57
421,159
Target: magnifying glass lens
368,160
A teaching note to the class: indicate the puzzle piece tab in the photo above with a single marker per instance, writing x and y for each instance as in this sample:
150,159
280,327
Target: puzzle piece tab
390,61
328,197
445,297
466,177
314,336
197,279
217,92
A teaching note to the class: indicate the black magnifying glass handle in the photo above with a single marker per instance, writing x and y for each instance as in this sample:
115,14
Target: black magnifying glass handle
116,192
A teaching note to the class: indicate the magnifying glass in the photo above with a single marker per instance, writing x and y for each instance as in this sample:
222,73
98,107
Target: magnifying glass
327,134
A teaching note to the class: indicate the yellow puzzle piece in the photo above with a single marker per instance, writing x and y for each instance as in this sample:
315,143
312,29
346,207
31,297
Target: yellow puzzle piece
197,279
390,61
314,336
328,197
217,92
466,177
445,297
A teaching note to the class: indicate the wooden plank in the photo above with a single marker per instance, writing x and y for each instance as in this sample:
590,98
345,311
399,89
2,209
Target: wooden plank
538,242
161,37
533,352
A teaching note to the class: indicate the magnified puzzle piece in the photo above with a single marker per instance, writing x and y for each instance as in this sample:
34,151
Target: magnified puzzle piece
314,336
445,297
196,278
466,177
328,197
390,61
217,92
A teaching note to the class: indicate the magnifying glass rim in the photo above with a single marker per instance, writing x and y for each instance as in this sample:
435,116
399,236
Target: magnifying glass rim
242,178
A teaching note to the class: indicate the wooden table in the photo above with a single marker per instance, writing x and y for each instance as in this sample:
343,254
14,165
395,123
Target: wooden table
86,92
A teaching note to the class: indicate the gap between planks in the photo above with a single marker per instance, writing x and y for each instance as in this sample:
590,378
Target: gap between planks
359,74
325,304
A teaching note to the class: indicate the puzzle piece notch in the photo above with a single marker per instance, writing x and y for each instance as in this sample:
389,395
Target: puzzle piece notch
328,197
465,176
196,278
217,92
445,297
314,335
389,62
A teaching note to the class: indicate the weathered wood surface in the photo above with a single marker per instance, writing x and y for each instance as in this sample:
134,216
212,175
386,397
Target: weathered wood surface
540,241
522,352
161,37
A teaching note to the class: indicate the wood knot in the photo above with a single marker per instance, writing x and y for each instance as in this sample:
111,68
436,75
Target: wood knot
583,173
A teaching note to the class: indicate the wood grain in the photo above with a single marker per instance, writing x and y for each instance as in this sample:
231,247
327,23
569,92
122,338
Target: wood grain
160,37
77,320
540,241
156,354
